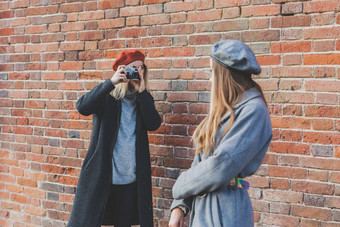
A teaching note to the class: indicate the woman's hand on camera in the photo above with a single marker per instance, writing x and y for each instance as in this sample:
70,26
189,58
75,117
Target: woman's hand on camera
176,218
119,76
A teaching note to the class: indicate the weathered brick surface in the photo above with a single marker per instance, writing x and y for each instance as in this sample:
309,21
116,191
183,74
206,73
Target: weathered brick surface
52,52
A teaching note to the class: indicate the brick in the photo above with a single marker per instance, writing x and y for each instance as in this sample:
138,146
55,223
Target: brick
53,76
268,60
323,124
229,13
298,72
208,15
231,25
175,162
180,119
111,23
322,111
314,200
72,46
295,173
259,23
93,35
73,7
321,138
178,51
327,99
175,7
321,59
132,32
321,33
35,211
312,187
253,36
311,212
178,29
320,6
133,11
291,21
332,202
285,122
323,46
323,19
288,60
318,175
76,26
291,47
181,97
156,42
132,21
222,3
253,11
282,196
107,4
179,85
155,19
178,18
292,8
6,14
36,29
111,44
204,39
290,85
71,66
95,15
282,184
319,85
334,177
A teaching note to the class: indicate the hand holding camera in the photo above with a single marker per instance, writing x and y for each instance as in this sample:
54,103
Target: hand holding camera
125,74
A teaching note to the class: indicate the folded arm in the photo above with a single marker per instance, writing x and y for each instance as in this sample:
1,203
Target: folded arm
250,133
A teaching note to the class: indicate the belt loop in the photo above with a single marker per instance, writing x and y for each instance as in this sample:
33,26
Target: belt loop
236,183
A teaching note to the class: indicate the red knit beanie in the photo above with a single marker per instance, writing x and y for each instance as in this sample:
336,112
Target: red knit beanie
127,56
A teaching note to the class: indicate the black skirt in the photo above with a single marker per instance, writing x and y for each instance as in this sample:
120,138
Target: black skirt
122,204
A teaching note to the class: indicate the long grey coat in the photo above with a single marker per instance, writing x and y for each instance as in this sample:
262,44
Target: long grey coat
89,207
239,153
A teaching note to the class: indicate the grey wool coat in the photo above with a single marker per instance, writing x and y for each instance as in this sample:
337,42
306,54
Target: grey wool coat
89,207
238,154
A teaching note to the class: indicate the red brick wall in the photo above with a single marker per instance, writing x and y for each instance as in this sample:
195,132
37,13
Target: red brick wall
51,52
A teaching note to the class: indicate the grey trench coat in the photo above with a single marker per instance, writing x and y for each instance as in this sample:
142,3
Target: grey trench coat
239,154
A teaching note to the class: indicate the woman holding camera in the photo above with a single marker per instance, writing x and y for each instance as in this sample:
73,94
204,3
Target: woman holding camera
231,143
114,186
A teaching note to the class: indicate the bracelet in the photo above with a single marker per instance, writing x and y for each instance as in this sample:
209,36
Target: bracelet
184,209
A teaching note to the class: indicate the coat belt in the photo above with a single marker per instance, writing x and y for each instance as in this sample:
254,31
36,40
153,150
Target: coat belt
235,183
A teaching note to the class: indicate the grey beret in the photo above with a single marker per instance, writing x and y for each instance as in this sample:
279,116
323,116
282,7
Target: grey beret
234,54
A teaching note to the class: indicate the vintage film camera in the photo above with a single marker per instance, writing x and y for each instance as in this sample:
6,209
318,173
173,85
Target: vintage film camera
132,74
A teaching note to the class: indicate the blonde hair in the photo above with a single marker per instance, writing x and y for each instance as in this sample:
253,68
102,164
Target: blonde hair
121,89
228,88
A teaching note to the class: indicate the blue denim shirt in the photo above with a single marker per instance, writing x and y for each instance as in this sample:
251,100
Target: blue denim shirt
239,153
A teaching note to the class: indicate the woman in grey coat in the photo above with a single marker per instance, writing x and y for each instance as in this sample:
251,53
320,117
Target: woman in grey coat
231,143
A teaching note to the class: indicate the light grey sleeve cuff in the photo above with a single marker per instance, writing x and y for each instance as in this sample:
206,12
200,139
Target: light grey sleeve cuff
184,204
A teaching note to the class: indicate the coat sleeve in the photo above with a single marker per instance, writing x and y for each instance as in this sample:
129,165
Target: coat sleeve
150,116
188,201
90,102
250,133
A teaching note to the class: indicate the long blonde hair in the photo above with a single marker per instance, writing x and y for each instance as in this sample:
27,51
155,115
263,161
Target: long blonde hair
122,89
228,88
